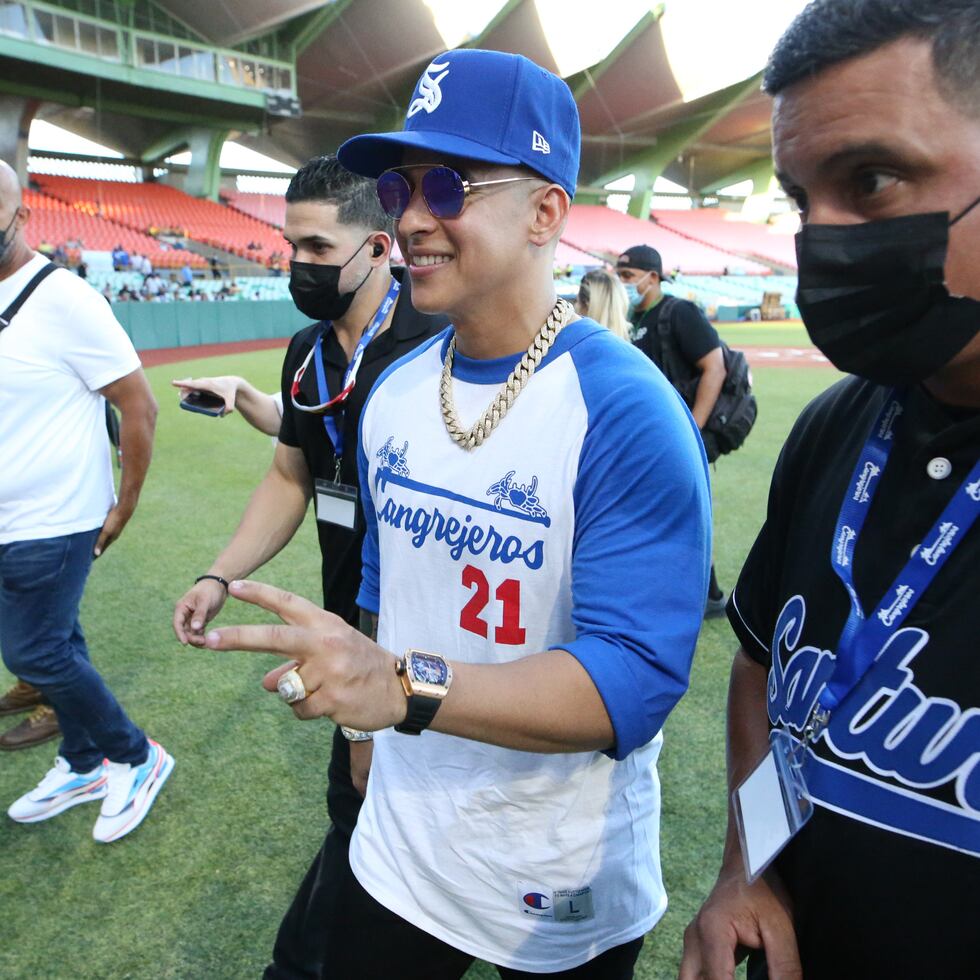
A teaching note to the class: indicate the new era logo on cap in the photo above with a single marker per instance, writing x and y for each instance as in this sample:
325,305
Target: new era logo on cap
488,106
430,94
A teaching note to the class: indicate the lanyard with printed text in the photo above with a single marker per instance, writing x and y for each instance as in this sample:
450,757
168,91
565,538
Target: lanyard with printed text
335,432
863,638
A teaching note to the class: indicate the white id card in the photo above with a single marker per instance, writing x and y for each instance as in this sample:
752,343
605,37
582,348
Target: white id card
336,503
772,804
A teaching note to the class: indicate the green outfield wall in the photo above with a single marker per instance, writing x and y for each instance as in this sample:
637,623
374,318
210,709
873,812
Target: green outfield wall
154,325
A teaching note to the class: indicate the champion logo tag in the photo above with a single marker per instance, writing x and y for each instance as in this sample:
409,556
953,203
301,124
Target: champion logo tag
430,94
539,144
973,491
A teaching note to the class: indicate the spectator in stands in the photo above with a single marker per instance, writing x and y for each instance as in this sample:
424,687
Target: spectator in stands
60,255
120,258
153,285
61,353
340,277
215,271
46,248
602,297
856,610
186,274
695,364
82,269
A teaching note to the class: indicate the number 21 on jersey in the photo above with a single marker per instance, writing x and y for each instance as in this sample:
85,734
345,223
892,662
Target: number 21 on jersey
508,593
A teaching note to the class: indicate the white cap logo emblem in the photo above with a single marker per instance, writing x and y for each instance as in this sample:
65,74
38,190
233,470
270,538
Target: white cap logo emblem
430,95
539,144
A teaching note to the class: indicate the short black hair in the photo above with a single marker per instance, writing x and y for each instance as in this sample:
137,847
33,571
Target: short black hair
829,31
324,179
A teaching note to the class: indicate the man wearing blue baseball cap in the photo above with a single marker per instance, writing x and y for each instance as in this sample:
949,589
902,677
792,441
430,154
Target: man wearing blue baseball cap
538,533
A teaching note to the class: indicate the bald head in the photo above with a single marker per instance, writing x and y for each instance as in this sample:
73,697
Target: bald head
14,251
10,193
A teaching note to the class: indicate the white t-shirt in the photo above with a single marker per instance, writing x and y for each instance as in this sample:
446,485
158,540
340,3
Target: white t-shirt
61,348
581,524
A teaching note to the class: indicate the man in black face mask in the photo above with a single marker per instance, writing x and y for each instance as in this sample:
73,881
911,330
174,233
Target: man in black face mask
857,608
340,276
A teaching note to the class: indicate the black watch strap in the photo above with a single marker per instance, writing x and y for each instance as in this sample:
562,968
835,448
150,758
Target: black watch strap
421,711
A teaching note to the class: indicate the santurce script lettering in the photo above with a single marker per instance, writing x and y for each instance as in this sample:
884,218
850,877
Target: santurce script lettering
461,537
887,720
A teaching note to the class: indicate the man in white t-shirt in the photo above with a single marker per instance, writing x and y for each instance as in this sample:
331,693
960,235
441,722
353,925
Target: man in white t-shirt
62,353
537,549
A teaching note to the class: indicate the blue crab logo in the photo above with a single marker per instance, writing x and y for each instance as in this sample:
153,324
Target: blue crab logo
393,459
521,498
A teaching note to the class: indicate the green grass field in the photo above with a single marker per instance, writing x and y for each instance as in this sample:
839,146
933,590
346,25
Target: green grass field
197,892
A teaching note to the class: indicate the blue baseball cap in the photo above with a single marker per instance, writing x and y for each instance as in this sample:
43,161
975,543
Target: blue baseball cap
482,105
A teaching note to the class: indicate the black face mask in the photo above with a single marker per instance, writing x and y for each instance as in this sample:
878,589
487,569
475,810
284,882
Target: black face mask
873,299
316,288
7,243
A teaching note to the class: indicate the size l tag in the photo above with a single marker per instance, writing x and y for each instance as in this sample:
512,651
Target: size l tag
772,804
337,503
559,904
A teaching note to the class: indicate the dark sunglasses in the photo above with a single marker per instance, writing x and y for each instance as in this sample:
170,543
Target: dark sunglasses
443,190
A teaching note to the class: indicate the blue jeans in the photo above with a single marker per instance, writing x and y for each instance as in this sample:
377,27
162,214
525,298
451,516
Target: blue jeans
41,640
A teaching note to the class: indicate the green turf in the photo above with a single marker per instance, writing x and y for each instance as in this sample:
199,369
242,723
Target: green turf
198,890
764,334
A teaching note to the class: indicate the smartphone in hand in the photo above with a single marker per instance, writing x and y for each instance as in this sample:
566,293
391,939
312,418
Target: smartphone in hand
203,402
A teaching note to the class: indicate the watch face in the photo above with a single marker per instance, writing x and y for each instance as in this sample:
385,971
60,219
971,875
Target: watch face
426,669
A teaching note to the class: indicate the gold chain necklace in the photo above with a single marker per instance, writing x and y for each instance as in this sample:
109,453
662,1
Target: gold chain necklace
475,436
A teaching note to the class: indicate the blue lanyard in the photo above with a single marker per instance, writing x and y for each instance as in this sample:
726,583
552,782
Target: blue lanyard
335,433
862,639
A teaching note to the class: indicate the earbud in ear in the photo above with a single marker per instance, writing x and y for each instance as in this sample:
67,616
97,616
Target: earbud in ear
378,249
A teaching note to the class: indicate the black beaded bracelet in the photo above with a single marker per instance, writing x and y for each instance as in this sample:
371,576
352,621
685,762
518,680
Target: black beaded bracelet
216,578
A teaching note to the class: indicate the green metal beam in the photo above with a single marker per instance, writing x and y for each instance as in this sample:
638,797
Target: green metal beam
204,173
757,171
302,32
165,146
174,85
584,81
672,141
123,107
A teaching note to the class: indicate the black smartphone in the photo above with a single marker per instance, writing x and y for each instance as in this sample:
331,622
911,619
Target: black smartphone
203,402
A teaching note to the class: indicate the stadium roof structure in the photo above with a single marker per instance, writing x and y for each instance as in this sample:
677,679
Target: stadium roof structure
353,66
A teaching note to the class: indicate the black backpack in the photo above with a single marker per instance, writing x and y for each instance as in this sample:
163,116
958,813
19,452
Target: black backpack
735,411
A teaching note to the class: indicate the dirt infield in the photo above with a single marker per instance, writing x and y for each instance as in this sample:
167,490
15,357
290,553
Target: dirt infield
785,357
171,355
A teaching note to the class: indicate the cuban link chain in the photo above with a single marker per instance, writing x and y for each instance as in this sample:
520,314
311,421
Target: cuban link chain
519,377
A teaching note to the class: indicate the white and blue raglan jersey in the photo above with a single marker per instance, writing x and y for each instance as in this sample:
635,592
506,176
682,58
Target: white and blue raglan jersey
582,524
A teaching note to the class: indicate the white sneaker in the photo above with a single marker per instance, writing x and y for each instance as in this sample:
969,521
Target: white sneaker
132,790
60,789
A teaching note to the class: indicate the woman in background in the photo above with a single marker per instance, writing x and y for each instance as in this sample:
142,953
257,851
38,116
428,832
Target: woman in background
602,297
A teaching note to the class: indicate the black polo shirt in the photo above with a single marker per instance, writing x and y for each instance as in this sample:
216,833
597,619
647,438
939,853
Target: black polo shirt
885,877
340,549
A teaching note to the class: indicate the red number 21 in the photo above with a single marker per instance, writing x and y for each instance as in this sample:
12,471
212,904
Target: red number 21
508,592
